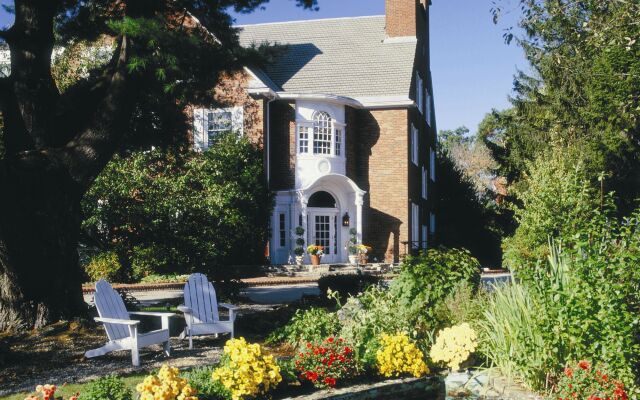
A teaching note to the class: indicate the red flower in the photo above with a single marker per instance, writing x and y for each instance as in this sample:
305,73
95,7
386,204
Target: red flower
309,345
312,376
330,340
330,381
568,372
347,350
584,364
594,397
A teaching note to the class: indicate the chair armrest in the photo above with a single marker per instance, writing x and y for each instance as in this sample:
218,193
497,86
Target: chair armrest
152,314
185,309
228,306
116,321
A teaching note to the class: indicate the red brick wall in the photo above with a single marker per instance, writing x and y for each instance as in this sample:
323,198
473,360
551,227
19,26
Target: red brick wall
401,17
381,168
282,145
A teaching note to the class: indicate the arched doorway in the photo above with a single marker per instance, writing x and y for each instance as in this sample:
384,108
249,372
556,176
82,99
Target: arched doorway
322,224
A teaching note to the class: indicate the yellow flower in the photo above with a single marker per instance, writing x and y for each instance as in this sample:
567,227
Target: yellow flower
167,385
248,372
454,345
399,356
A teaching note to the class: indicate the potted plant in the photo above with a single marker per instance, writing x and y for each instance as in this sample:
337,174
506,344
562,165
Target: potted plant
299,250
353,246
315,252
363,253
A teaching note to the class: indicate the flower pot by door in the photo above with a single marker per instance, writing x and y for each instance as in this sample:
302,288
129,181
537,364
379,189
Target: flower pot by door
315,259
353,259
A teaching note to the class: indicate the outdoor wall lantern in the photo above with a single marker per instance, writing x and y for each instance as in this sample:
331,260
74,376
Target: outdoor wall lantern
346,221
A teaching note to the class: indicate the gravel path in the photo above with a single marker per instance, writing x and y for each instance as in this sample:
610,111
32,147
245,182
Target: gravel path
57,356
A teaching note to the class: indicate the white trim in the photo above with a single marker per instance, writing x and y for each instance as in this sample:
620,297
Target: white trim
400,39
415,141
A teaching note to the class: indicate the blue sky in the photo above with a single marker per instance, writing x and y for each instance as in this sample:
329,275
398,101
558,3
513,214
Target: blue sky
472,67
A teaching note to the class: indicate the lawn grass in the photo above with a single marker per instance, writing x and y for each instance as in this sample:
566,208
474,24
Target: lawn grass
66,391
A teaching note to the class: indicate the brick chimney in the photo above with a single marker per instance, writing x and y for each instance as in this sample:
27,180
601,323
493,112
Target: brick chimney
401,18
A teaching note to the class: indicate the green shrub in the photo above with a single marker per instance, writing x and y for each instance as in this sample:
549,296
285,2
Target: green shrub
581,304
366,317
463,304
168,278
312,325
346,285
107,388
425,280
104,266
200,379
557,201
152,208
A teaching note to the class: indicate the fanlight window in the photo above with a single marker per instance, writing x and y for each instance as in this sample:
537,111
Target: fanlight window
322,135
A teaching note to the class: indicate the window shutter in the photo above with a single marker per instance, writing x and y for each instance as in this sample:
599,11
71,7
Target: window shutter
237,120
199,136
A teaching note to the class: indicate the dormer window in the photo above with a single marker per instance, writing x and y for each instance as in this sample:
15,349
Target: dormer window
320,136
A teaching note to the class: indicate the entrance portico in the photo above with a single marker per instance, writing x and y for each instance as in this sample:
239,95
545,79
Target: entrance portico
327,208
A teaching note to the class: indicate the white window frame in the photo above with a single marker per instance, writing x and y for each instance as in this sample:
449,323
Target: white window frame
415,137
425,185
200,124
282,230
415,226
337,139
432,164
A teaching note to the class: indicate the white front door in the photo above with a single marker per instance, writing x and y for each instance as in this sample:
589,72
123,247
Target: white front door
322,232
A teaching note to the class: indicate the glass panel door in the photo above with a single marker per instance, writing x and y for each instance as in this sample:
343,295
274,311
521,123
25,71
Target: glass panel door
323,232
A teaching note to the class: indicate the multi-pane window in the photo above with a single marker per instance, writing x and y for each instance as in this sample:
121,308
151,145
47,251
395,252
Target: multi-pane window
415,226
429,111
419,92
303,138
322,133
338,141
432,223
432,164
414,144
282,230
210,123
218,122
424,183
425,237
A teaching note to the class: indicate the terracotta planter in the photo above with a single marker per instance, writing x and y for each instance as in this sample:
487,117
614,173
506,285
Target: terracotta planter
315,259
364,258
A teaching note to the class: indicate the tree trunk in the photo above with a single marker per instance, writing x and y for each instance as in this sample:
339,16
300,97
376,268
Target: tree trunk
40,278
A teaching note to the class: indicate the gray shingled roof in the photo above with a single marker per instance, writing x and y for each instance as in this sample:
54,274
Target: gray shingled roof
342,57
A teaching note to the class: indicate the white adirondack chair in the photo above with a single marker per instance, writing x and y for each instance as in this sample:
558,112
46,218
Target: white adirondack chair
121,330
201,310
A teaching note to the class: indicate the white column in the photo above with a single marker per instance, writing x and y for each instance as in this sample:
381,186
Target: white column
359,203
303,200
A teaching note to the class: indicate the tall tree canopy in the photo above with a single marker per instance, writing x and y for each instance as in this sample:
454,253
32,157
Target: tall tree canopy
583,91
164,54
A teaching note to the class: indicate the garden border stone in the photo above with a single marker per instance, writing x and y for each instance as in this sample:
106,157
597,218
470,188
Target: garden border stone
429,388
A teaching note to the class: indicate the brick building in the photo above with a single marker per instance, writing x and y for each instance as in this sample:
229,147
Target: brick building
345,117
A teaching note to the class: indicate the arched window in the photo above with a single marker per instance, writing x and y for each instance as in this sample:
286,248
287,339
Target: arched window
322,199
322,133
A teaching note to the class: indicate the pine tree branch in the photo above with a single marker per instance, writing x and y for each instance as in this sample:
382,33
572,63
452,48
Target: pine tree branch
87,154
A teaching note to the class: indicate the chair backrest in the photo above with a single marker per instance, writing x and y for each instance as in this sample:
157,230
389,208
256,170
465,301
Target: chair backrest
110,305
200,296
